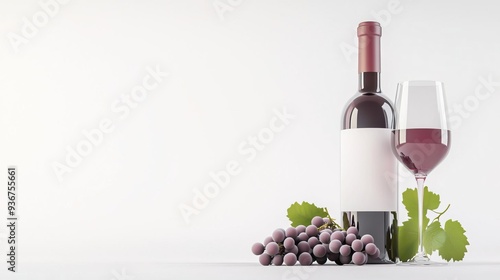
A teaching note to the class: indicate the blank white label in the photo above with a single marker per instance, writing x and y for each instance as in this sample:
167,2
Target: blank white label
368,170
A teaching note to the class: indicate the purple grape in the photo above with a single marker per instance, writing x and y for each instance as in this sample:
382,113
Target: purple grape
326,220
317,221
327,230
377,254
289,243
258,248
305,258
319,251
327,248
313,241
344,233
312,230
267,240
345,250
278,260
322,260
291,232
303,247
350,238
295,250
352,230
371,249
337,235
357,245
324,237
345,259
290,259
334,246
333,256
278,235
300,228
367,239
265,259
272,248
358,258
302,236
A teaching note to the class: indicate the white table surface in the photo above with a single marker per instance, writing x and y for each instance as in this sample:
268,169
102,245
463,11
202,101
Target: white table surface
205,271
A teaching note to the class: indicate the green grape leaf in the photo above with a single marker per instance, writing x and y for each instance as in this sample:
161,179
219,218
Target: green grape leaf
302,214
410,201
408,239
454,248
434,237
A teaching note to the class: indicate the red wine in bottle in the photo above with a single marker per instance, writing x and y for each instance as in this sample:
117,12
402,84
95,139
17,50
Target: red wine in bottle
369,191
421,149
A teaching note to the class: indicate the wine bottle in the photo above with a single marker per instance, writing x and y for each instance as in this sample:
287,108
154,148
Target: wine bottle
368,198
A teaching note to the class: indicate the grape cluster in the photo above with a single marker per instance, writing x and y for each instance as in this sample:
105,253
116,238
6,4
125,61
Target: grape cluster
319,242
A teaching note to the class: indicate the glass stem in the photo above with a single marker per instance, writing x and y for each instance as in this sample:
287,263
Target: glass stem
420,191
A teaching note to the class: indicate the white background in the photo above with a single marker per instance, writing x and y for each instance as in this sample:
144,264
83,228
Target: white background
228,71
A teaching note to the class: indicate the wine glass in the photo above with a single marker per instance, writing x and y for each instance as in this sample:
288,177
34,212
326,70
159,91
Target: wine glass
421,139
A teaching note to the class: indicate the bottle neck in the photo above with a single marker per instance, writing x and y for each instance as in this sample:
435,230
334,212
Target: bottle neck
369,82
369,56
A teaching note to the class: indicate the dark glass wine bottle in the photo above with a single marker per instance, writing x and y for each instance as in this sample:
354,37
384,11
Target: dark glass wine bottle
369,188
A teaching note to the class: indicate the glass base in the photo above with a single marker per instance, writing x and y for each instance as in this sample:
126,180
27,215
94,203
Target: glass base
422,260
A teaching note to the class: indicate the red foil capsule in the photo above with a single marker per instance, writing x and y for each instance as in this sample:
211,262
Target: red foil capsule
369,33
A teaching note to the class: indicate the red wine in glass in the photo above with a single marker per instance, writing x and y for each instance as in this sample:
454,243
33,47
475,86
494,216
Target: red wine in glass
421,149
420,141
